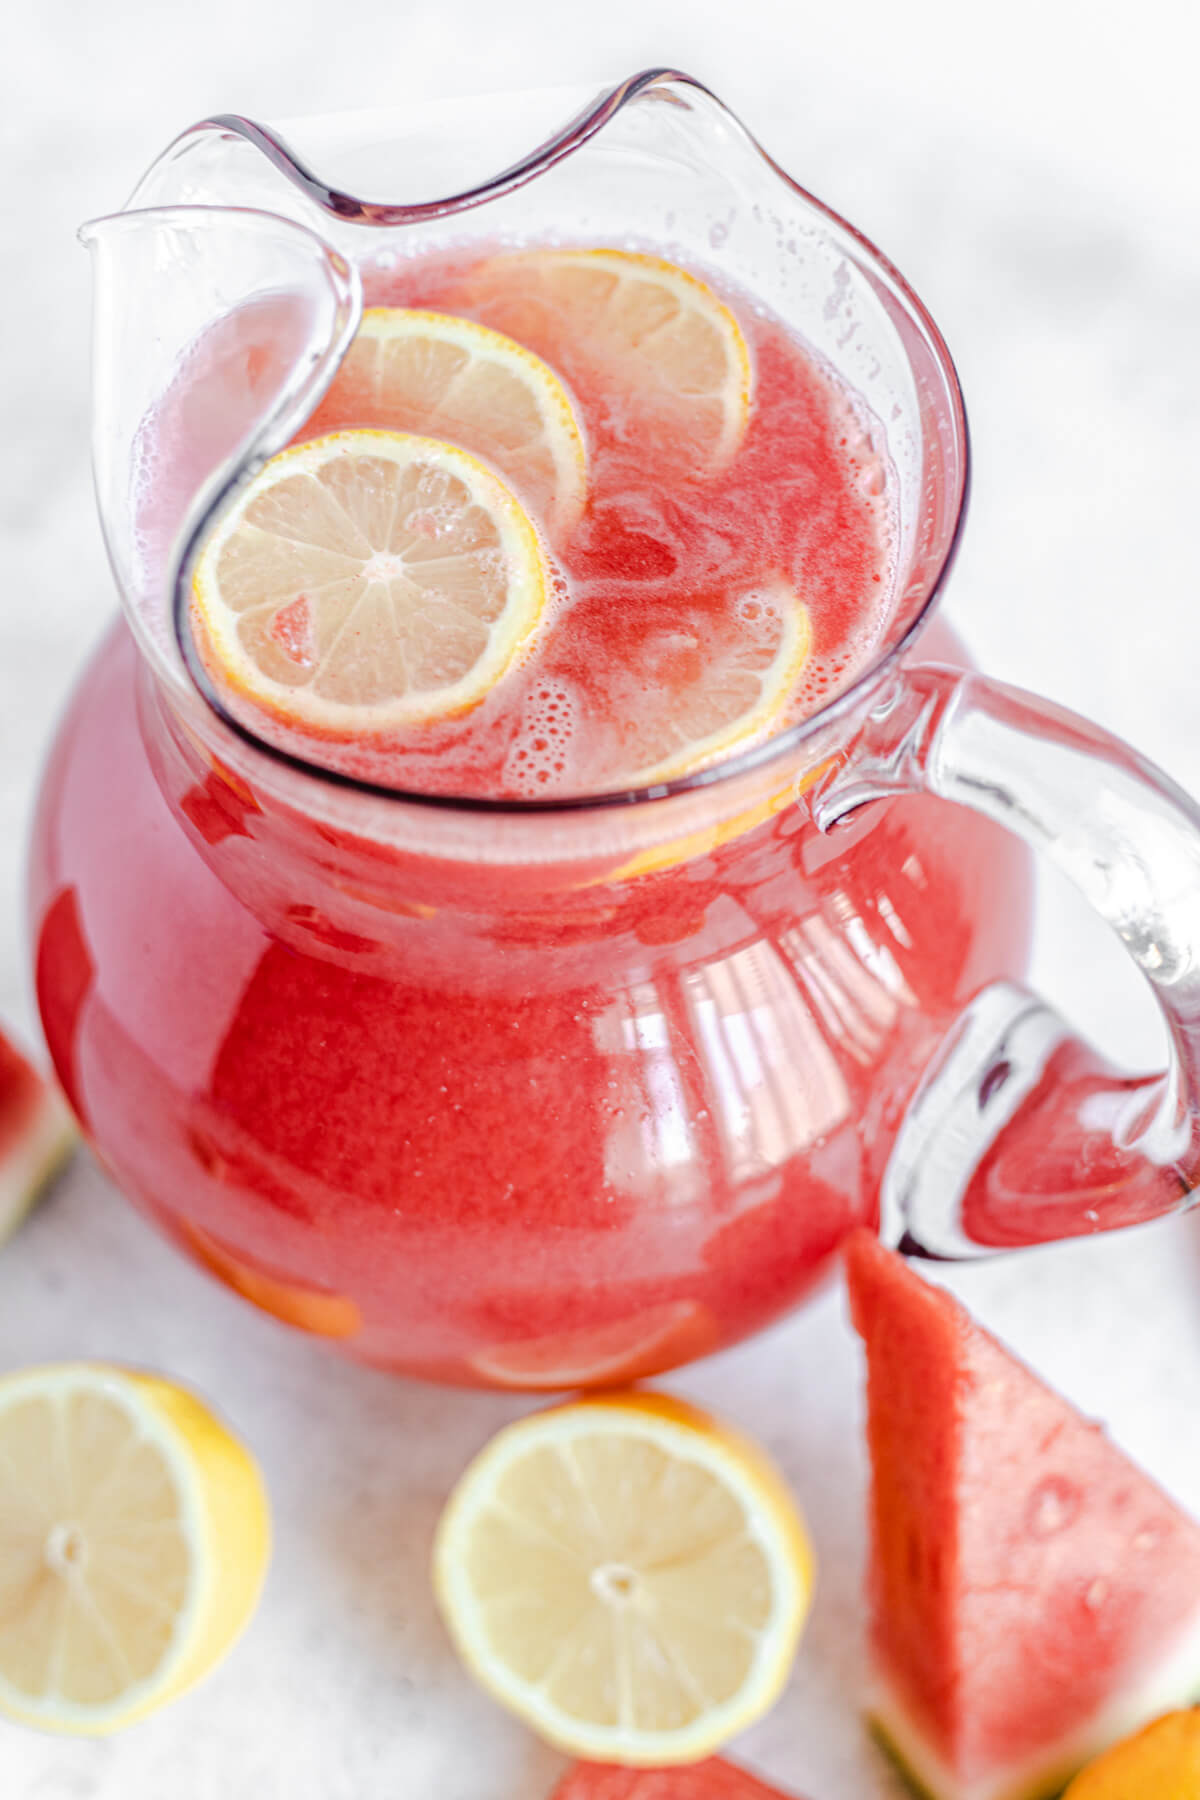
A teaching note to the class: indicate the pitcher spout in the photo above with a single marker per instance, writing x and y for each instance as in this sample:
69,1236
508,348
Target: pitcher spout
215,332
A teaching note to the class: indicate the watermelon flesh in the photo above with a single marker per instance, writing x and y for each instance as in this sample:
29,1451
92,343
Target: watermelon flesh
711,1780
1034,1596
36,1135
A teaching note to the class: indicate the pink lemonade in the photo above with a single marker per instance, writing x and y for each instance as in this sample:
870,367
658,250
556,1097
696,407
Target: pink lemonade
671,565
548,1117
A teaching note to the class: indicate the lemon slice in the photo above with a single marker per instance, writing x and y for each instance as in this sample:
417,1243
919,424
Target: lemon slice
705,841
705,698
628,1576
318,1311
624,1350
675,350
455,379
134,1537
368,580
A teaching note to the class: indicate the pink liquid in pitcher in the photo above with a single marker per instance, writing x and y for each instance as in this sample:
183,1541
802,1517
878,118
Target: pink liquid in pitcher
553,1122
670,566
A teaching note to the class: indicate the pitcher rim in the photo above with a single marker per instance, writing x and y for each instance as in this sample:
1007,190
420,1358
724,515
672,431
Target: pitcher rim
582,126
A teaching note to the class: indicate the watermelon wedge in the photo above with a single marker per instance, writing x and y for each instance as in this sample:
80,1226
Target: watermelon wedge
36,1135
711,1780
1034,1596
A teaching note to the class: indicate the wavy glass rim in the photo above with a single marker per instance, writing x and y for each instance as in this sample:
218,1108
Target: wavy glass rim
350,208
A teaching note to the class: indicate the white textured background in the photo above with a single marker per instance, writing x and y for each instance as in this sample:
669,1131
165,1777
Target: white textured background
1035,170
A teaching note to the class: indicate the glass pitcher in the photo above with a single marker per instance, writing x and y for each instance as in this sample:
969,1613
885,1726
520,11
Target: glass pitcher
556,1094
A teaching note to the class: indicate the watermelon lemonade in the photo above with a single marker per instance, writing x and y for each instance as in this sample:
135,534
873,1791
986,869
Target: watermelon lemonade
714,526
503,1096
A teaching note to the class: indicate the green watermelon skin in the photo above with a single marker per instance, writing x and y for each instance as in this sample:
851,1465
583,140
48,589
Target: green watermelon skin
36,1135
1033,1595
711,1780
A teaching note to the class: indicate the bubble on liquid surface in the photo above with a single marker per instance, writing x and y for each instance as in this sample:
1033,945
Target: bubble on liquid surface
542,756
760,612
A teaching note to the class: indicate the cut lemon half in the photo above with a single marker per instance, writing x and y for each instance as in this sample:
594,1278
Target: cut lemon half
706,700
455,379
368,580
628,1576
675,352
134,1537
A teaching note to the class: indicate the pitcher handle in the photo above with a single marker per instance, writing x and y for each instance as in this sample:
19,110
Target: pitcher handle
1019,1133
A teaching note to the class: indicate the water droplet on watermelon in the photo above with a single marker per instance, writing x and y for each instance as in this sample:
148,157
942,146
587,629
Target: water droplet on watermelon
1053,1505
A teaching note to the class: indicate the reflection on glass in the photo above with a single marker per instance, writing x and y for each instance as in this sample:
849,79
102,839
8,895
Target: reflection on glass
774,1081
651,1143
855,985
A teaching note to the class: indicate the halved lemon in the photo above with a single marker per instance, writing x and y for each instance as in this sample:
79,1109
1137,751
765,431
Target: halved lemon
134,1537
369,580
455,379
673,349
705,698
627,1575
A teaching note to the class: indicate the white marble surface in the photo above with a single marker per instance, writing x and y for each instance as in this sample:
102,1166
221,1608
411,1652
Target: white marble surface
1033,170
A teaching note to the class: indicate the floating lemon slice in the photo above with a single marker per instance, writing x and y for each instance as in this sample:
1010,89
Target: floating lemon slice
628,1576
455,379
609,1355
368,580
316,1310
703,842
706,700
673,349
134,1537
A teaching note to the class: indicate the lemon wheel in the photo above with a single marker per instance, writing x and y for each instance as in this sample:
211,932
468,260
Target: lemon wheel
457,380
368,580
656,334
709,701
627,1575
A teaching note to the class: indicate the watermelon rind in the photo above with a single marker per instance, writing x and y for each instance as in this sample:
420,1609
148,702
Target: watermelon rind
30,1164
1173,1682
